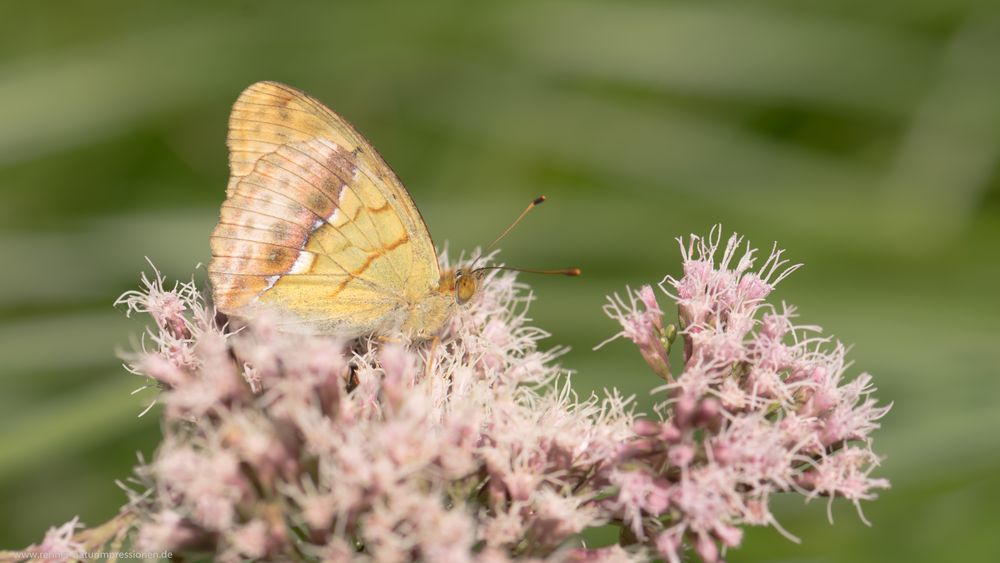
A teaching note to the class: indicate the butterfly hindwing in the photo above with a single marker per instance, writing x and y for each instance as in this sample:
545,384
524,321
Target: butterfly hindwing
315,223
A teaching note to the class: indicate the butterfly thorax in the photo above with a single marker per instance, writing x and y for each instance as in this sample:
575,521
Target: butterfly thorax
427,317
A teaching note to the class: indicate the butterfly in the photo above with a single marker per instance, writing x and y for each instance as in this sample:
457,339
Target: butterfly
317,226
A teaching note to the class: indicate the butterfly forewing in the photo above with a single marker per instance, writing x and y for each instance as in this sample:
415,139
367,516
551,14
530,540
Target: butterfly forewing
315,223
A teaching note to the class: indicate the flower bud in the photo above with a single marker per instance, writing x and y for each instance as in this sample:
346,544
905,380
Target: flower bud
647,428
684,410
709,413
680,455
706,549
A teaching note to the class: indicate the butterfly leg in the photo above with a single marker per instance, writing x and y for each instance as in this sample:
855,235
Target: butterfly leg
390,340
430,357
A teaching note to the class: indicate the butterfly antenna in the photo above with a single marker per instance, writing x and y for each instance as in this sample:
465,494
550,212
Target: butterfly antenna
537,201
560,272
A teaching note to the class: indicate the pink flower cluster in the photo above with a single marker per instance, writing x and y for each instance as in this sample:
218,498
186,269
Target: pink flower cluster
761,406
292,447
59,544
280,446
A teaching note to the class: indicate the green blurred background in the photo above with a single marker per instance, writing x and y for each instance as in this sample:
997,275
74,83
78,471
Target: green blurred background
864,136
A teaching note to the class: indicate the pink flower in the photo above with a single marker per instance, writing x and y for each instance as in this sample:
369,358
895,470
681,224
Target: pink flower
504,528
557,517
644,327
59,543
364,444
844,473
670,543
288,447
169,531
638,494
761,405
250,540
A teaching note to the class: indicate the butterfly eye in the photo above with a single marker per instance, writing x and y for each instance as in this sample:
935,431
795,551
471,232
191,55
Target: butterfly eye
465,287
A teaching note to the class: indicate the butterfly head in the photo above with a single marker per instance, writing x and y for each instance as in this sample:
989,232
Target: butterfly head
466,284
466,281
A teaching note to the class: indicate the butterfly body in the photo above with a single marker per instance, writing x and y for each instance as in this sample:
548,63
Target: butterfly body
317,227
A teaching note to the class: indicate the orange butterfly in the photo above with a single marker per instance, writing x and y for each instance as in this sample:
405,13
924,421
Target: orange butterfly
316,225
